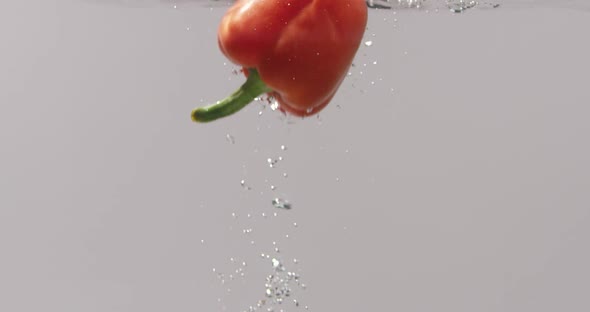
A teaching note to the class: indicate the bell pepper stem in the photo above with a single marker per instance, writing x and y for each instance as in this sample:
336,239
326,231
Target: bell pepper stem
252,88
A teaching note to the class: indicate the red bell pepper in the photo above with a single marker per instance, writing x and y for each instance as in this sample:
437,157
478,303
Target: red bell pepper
298,51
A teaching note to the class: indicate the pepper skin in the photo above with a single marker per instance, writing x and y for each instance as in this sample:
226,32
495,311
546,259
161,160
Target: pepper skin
300,50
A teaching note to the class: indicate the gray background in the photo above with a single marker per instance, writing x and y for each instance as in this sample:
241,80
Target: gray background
452,175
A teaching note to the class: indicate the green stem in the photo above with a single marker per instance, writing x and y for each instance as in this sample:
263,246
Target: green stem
253,87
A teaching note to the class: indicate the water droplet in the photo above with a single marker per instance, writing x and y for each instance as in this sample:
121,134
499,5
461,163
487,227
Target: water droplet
281,204
285,174
274,106
272,187
202,241
230,138
283,148
369,43
295,224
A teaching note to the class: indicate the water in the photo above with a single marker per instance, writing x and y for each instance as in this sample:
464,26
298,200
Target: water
113,200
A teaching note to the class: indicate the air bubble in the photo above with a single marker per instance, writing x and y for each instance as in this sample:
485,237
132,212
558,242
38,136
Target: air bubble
276,264
281,204
274,106
458,6
244,185
272,162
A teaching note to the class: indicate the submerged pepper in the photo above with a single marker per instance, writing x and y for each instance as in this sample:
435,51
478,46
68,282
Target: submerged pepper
297,51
